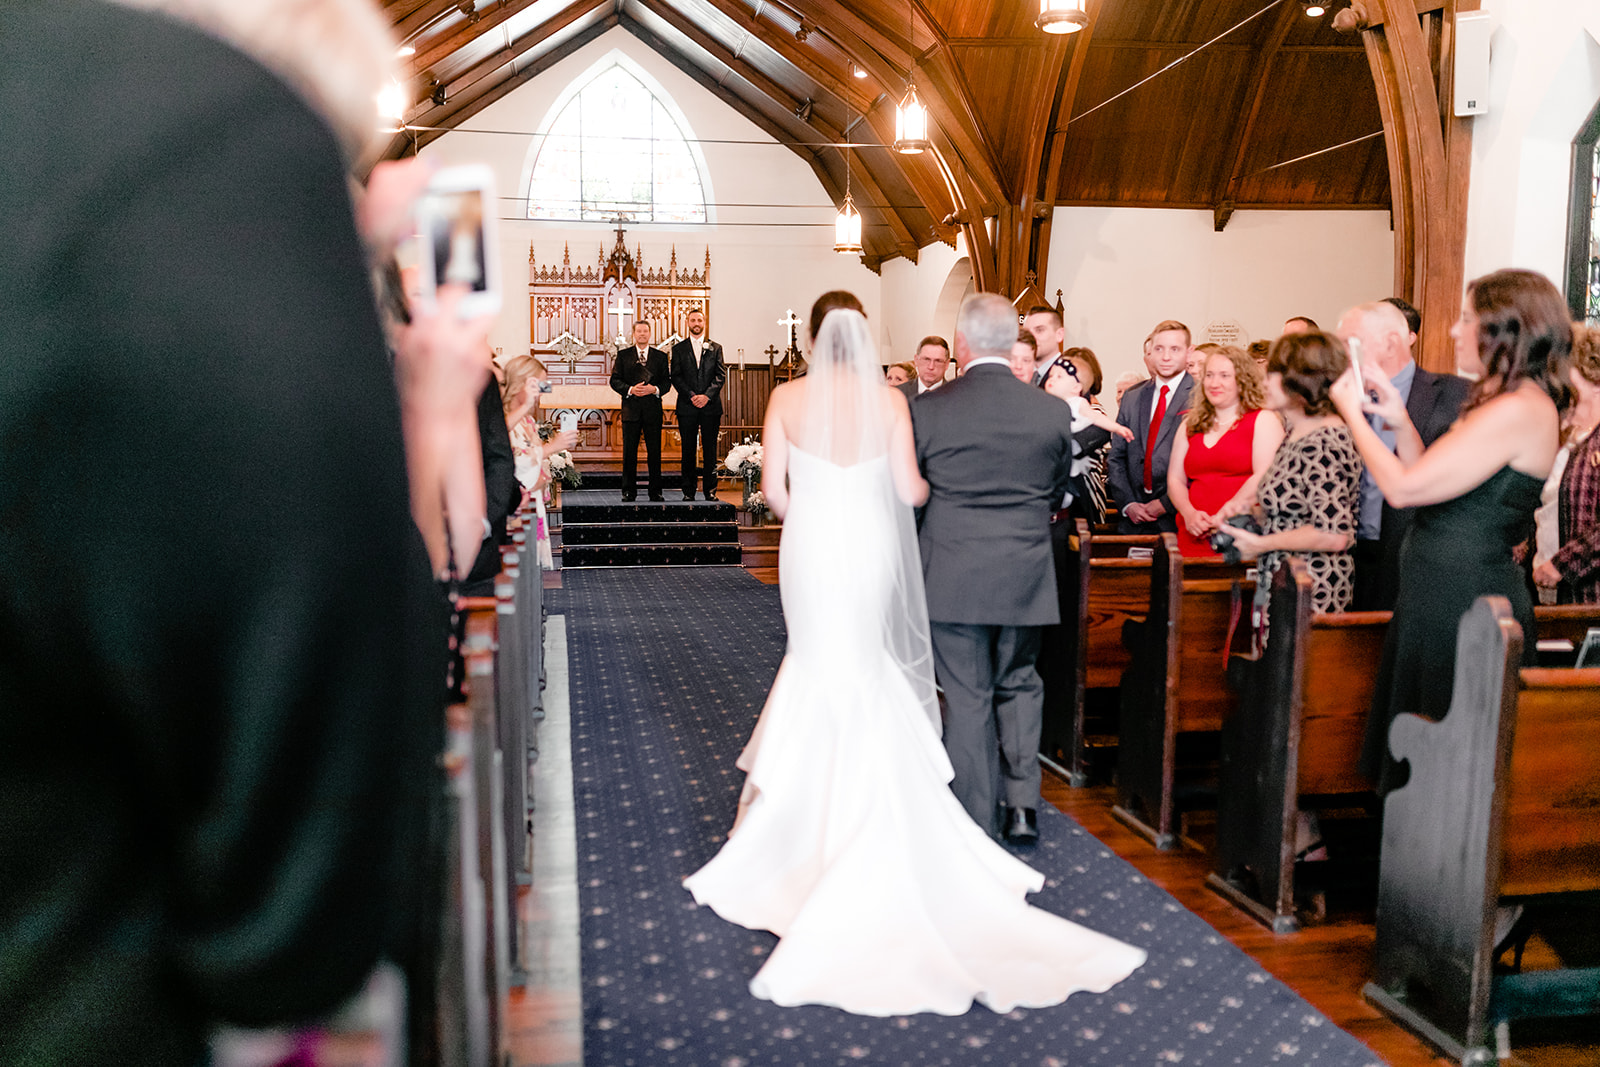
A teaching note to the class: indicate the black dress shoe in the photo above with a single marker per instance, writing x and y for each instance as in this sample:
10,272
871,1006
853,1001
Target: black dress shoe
1022,826
657,498
688,496
628,498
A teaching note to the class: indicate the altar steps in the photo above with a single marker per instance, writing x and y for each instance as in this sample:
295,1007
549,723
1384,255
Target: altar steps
599,531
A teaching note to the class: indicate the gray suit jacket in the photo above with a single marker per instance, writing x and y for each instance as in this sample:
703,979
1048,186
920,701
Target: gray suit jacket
997,454
1125,468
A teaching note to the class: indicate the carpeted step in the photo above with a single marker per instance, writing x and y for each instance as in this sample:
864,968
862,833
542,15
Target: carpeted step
650,533
612,480
575,513
670,555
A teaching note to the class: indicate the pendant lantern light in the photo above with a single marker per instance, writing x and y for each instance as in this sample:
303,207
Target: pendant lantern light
911,123
1062,16
847,227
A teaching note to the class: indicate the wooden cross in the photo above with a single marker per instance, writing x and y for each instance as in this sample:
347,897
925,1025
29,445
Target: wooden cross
620,312
772,355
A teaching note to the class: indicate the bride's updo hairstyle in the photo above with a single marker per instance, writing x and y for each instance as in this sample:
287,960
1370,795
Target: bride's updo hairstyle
1524,334
830,301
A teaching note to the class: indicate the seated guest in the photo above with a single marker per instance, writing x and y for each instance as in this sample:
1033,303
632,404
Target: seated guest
1308,496
1023,351
1569,563
1224,449
899,373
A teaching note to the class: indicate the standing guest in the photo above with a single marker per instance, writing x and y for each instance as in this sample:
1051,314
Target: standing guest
1092,430
1089,372
697,376
1413,318
1432,402
1299,324
933,359
1050,335
997,456
1570,563
1308,493
1022,353
1196,362
899,373
1258,355
525,379
218,726
640,376
1125,382
1224,449
1137,470
1475,489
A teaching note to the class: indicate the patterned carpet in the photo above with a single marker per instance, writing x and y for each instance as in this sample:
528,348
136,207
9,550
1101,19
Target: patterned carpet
669,669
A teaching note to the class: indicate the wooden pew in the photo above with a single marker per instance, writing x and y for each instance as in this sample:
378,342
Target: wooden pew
1114,589
1296,733
1503,802
1176,680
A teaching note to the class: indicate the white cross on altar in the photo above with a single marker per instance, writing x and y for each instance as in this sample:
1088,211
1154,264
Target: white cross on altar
619,311
791,321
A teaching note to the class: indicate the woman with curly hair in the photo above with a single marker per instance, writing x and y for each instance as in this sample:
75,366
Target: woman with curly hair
1475,489
1224,449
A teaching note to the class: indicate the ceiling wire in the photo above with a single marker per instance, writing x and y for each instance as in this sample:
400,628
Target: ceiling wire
1175,62
1321,152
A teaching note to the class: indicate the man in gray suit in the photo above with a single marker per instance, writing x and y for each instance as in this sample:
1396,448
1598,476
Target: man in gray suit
997,455
1136,473
933,359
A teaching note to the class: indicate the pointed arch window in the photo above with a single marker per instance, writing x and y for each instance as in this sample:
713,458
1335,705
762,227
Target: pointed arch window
615,151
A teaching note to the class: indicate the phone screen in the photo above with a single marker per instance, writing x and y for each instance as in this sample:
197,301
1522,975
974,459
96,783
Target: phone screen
456,238
1354,347
568,421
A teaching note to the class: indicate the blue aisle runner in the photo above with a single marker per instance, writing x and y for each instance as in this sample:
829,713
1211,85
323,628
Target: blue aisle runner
669,669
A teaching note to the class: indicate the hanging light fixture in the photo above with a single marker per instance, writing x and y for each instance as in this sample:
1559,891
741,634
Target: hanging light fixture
911,122
847,227
1062,16
1315,10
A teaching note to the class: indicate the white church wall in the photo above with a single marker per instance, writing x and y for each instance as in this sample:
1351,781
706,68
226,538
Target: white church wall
1544,79
1122,270
764,260
912,308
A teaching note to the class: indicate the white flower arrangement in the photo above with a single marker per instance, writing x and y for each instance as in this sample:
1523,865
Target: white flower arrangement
758,502
744,460
559,467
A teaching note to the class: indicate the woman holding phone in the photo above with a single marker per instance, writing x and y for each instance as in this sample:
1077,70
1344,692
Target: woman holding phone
1475,489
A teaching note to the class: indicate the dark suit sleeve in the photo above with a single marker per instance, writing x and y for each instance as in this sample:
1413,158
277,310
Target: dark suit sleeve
501,490
1118,478
1449,394
678,368
1090,439
719,375
619,384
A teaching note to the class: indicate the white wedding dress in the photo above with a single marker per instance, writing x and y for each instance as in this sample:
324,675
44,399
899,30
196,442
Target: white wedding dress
888,899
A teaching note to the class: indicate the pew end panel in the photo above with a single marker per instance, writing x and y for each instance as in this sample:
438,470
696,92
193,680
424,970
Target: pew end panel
1297,733
1500,803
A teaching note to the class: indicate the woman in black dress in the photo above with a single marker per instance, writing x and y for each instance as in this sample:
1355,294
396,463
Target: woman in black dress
1475,490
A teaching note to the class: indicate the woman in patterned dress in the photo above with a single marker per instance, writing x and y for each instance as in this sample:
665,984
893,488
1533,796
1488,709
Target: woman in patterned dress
1309,496
1572,566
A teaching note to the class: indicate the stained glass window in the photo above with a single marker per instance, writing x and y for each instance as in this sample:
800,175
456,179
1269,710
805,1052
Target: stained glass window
615,152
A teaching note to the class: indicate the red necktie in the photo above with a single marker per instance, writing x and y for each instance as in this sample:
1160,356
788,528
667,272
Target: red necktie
1150,440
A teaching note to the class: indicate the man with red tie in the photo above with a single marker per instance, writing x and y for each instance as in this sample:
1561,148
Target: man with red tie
1136,473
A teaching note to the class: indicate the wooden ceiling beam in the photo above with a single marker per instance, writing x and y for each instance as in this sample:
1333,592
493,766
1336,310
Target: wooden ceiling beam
419,19
447,46
1027,258
786,100
759,119
888,60
1056,151
795,54
505,57
1244,126
963,91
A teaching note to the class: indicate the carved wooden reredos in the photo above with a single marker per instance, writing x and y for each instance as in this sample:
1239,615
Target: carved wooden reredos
574,327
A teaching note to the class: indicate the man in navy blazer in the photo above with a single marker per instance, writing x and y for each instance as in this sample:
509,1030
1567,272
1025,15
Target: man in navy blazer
1432,400
1136,473
997,454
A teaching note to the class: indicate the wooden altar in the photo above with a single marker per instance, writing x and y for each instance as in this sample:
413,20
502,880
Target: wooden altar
580,315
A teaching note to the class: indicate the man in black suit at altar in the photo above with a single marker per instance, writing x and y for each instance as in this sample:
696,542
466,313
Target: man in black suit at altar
697,375
640,377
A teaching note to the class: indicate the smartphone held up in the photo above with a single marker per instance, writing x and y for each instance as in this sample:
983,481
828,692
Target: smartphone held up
456,232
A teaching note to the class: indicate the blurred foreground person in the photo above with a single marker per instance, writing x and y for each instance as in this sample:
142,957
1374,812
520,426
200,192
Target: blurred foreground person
219,677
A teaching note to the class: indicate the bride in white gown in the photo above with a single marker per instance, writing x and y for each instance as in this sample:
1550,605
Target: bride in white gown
888,899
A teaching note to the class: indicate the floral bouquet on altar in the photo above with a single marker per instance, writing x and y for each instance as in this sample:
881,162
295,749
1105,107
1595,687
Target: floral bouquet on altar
744,462
560,468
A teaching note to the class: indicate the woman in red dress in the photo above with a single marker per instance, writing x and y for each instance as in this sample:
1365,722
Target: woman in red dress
1224,449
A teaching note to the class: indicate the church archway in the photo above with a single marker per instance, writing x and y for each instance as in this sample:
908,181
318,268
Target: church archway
958,285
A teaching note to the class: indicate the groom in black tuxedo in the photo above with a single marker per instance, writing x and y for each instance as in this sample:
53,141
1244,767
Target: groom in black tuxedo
640,377
997,454
697,375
